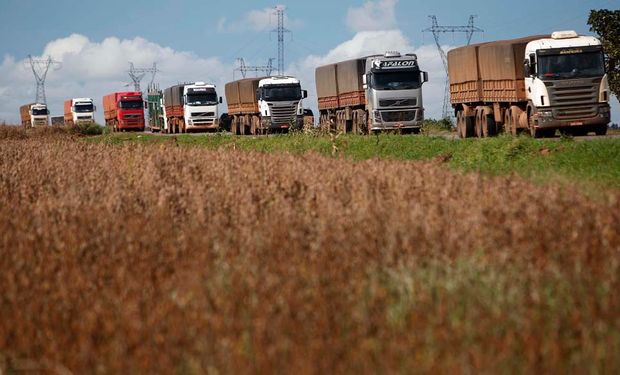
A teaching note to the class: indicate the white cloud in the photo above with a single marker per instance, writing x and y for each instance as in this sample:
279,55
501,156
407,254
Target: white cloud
257,20
373,15
378,42
93,69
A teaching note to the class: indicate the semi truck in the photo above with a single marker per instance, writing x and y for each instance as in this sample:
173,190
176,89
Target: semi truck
124,111
267,104
34,114
190,107
79,111
155,109
373,93
536,84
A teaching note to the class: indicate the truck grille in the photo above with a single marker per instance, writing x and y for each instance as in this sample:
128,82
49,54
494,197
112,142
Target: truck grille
574,113
398,102
398,116
284,115
132,117
573,92
203,114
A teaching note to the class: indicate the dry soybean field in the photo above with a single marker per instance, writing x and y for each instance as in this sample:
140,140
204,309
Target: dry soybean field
168,258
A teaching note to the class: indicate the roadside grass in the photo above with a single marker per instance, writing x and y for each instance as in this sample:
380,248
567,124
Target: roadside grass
592,164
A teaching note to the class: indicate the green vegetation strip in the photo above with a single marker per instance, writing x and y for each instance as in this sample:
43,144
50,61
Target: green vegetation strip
592,164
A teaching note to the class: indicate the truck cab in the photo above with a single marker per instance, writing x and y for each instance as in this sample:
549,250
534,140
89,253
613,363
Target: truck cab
280,102
566,84
393,86
82,111
200,109
39,115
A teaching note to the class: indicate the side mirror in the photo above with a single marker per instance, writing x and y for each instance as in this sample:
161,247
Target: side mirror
305,94
146,105
424,77
526,68
532,64
365,79
258,94
221,100
94,108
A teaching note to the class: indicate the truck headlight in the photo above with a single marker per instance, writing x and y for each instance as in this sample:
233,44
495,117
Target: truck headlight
377,116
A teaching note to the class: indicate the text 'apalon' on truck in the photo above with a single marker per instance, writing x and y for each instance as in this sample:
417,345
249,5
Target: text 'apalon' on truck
381,92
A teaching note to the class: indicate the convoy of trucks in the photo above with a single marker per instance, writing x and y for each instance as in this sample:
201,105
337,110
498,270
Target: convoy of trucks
537,84
79,111
263,105
34,114
380,92
124,111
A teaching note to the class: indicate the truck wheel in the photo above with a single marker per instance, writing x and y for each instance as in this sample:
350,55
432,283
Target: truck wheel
464,124
488,125
600,130
479,133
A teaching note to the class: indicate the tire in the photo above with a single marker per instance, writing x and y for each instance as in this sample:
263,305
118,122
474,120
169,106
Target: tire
600,130
489,128
479,133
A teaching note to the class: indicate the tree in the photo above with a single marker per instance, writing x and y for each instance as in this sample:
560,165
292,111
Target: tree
606,23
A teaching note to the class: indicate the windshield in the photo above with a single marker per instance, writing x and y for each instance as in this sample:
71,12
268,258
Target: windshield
39,112
133,104
83,108
282,93
396,80
202,99
582,65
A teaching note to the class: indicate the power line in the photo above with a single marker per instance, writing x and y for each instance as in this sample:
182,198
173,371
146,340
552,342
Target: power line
40,68
437,30
137,74
244,69
281,30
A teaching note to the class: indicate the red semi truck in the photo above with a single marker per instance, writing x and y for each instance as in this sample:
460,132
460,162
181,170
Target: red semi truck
124,111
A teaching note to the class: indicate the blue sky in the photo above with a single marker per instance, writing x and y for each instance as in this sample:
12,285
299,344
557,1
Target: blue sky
95,39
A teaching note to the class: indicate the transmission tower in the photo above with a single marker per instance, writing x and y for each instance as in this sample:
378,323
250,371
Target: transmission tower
244,69
281,30
40,68
437,30
137,74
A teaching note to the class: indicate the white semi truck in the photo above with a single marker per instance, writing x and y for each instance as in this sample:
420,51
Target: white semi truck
539,84
191,107
263,105
34,114
79,111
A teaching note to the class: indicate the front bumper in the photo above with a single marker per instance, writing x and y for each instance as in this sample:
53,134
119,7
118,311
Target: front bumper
397,119
268,123
559,117
203,123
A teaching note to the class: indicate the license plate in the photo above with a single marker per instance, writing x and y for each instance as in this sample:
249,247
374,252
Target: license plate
576,123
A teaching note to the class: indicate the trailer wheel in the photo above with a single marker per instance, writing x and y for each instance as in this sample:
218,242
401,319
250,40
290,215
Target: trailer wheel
488,125
460,124
478,125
